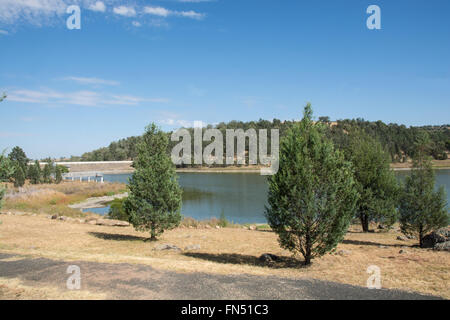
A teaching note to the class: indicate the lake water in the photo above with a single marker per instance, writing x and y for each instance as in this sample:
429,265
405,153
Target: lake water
239,196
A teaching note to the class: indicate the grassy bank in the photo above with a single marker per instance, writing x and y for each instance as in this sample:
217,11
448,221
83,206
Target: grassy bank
55,198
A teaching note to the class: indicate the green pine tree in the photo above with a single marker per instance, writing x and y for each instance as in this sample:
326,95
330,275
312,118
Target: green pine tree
46,174
377,186
19,177
312,197
58,174
19,158
422,208
35,173
154,200
6,168
2,194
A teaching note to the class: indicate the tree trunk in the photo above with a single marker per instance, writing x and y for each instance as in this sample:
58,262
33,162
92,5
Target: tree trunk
308,250
421,238
364,222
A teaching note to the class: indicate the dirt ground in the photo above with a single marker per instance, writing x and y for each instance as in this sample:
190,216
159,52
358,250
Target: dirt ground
230,251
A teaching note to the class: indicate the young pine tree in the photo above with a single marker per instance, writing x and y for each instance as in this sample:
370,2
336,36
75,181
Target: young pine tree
34,173
422,209
19,177
154,200
376,182
46,174
19,158
312,197
58,174
2,194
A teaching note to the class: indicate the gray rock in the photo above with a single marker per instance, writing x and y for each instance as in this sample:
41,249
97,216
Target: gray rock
442,246
382,247
63,218
166,247
54,217
438,236
344,252
402,238
402,251
268,257
192,247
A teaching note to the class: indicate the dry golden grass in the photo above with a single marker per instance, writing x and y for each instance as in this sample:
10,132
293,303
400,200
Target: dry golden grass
231,251
54,198
14,289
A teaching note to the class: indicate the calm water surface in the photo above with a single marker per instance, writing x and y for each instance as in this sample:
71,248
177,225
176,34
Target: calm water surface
240,196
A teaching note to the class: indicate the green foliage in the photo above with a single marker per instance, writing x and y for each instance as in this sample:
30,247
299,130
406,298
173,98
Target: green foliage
312,197
3,97
397,140
223,222
2,194
34,173
422,208
46,174
375,181
117,211
19,158
19,177
58,174
154,200
6,168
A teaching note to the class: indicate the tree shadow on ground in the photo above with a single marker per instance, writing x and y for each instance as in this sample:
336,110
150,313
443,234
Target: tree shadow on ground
370,243
235,258
117,236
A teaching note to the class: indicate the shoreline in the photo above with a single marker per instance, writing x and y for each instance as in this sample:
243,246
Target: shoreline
243,170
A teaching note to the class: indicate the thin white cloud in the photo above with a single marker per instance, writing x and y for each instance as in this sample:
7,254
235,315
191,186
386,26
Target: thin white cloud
4,32
92,81
181,123
99,6
196,1
191,14
32,11
163,12
157,11
82,98
137,24
125,11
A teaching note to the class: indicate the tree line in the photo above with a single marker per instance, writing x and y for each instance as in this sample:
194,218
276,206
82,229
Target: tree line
317,192
15,167
397,140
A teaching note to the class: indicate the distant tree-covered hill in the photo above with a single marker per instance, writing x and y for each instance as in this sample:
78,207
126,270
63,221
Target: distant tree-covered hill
398,140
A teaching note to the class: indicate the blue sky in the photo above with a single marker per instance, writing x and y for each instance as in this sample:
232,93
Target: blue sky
176,61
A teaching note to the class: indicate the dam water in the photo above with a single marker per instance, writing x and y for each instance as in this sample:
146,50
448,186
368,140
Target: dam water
240,197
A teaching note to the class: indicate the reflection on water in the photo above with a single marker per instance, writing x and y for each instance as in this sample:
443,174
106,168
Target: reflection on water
240,196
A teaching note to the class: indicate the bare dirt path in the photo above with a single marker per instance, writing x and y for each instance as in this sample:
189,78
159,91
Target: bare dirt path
131,281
